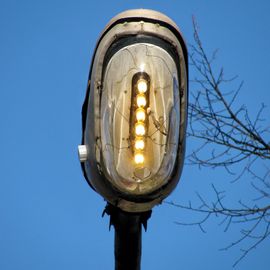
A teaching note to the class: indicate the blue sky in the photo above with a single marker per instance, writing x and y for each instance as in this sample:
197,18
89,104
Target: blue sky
50,218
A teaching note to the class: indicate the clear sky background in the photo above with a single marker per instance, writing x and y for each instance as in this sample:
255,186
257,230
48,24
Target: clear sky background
49,217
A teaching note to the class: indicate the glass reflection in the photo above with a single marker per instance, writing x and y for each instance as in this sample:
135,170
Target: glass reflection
140,172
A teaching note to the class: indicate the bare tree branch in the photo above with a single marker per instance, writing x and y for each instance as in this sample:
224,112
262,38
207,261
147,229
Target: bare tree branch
227,136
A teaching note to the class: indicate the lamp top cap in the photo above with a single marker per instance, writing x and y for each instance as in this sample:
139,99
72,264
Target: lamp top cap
142,14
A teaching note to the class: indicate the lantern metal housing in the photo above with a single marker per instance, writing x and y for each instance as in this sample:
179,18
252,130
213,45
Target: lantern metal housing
135,111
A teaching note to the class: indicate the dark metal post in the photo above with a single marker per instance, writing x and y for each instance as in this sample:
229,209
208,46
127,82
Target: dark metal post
128,237
127,241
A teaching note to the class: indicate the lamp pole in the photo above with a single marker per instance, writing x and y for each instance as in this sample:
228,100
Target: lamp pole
128,236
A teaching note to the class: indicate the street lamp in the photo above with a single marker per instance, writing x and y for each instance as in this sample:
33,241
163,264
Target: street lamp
135,111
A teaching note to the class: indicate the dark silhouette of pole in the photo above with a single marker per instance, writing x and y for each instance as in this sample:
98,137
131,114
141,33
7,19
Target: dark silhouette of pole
128,237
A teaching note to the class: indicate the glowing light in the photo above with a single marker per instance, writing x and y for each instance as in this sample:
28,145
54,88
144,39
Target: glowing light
139,144
140,129
142,67
142,86
139,158
141,101
140,115
139,124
